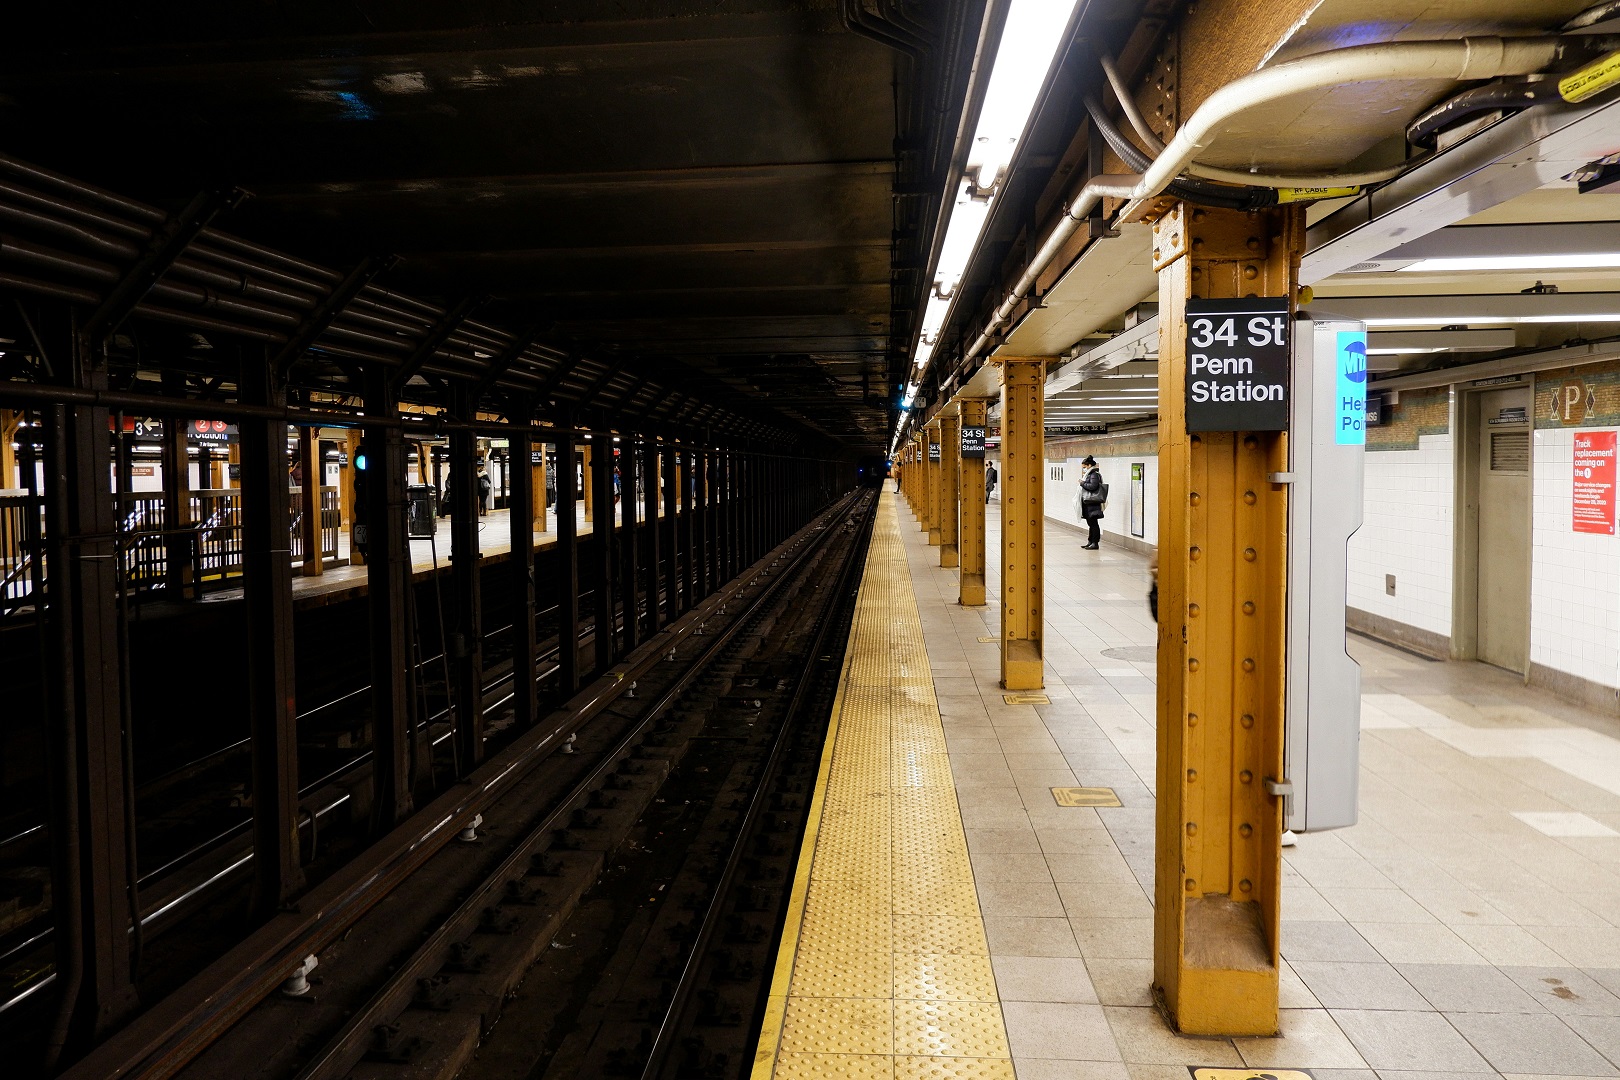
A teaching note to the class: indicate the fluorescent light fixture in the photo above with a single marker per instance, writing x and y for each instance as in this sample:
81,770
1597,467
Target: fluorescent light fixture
1443,319
1595,260
1029,40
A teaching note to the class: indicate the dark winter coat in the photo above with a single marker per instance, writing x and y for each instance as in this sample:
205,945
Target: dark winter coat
1093,493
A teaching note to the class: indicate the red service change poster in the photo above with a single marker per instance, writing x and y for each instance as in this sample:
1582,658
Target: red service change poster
1594,482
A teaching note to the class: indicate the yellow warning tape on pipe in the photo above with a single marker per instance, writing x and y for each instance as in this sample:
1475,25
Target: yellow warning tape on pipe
1591,80
1312,194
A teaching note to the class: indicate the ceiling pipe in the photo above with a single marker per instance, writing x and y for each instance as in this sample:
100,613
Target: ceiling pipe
1150,139
1462,60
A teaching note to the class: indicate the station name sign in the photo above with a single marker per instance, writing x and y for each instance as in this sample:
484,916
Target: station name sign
1237,364
973,441
933,451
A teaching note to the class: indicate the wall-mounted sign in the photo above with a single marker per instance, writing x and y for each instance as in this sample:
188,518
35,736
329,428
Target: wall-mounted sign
1593,509
1076,429
1237,364
1514,415
1138,498
1573,402
1375,411
1350,388
973,441
933,452
211,431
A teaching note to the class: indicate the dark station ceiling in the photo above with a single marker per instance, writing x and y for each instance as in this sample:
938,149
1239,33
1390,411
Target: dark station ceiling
744,188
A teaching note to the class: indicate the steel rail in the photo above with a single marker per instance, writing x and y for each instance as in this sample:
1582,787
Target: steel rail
159,1043
663,1042
343,1052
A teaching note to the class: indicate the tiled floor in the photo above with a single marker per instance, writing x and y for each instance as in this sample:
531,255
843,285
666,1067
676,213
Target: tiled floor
1469,926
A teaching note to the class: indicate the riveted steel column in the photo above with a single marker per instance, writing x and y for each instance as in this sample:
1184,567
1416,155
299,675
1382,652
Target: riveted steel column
309,500
567,568
936,501
672,580
1222,579
1023,522
520,517
919,502
352,519
950,468
700,525
180,544
91,868
467,624
688,523
589,492
650,567
388,569
601,478
629,546
970,577
539,488
267,600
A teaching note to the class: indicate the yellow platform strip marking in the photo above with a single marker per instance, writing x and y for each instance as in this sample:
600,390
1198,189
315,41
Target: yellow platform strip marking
884,970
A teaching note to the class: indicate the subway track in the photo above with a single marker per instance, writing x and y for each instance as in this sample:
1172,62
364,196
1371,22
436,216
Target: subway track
686,763
195,839
194,842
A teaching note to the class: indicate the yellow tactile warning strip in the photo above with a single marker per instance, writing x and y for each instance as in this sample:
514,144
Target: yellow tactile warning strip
884,971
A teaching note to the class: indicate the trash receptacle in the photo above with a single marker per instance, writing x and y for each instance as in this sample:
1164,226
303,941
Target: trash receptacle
422,517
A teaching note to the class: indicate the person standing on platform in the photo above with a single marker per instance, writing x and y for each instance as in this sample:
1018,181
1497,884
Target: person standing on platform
897,478
484,488
1093,497
989,479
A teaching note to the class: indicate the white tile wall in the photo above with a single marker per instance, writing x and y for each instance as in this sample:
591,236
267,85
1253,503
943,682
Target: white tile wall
1575,577
1406,530
1116,473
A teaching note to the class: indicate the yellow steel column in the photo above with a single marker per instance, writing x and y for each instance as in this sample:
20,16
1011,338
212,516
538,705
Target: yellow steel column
539,483
950,468
345,495
589,485
1222,575
922,481
970,542
909,477
935,471
1023,521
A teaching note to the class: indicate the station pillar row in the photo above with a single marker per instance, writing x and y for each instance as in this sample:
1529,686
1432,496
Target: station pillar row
936,493
1023,521
921,448
950,470
919,484
970,541
1221,656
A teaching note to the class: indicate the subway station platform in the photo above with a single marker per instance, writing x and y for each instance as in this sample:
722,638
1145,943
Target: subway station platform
1468,926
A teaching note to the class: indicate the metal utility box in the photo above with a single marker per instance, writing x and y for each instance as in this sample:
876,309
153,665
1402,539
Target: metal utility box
1327,447
422,517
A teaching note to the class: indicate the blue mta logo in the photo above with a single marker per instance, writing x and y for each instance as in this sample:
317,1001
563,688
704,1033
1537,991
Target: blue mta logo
1355,362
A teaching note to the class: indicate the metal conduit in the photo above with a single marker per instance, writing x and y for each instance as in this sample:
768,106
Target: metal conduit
1462,60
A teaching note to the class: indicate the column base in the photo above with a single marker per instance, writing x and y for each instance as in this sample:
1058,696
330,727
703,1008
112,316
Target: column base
1022,667
933,537
947,554
971,590
1221,1001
